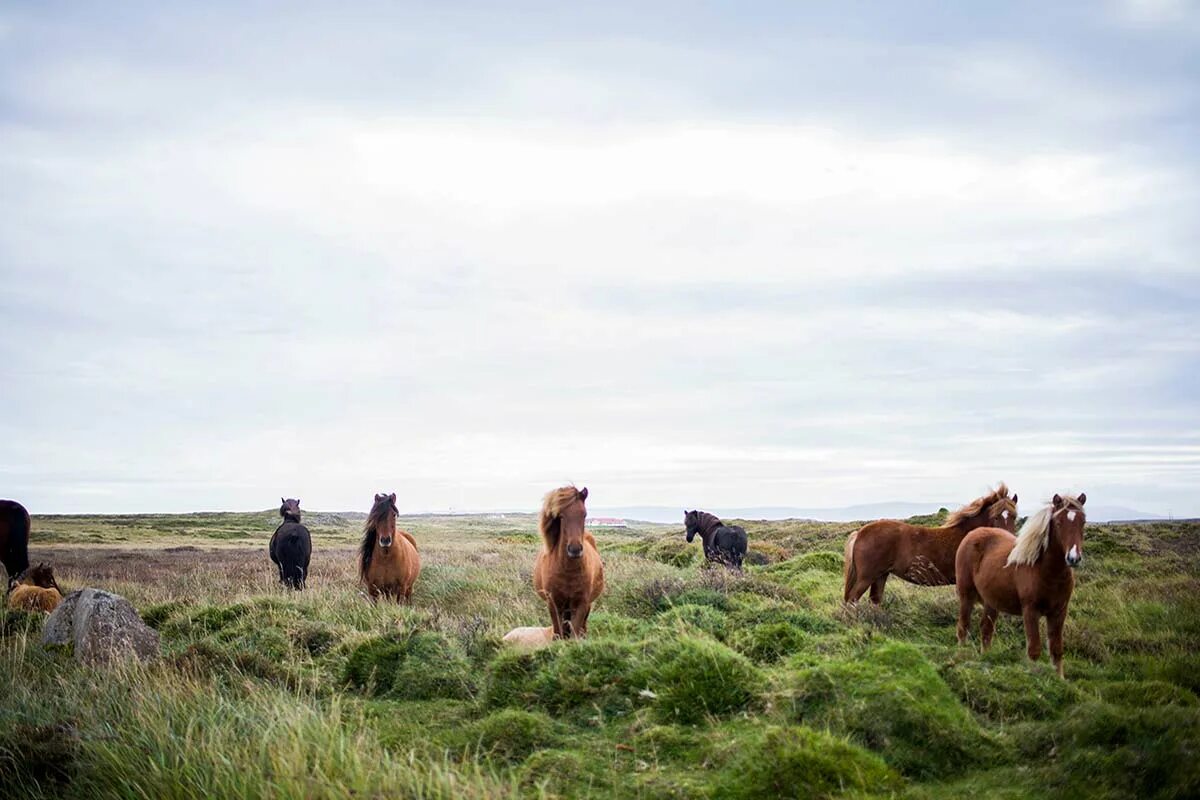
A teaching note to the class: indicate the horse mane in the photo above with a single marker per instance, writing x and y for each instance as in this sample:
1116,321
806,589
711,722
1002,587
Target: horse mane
977,506
705,522
366,548
553,504
1035,533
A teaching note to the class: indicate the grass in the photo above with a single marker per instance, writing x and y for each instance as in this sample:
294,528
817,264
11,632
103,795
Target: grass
695,683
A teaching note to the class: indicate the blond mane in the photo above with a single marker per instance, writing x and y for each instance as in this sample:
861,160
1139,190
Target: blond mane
978,506
555,502
1035,533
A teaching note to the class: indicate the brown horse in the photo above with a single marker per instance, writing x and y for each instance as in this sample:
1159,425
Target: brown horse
1030,574
14,538
568,573
388,562
35,590
924,556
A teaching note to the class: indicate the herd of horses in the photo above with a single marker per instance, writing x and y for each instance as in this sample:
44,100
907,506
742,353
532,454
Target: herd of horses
1027,573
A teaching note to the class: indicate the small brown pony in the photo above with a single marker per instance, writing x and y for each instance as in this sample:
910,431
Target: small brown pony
1030,574
568,573
388,564
35,590
924,556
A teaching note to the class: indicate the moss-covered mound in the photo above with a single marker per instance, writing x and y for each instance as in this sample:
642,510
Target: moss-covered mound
798,762
416,666
693,677
892,700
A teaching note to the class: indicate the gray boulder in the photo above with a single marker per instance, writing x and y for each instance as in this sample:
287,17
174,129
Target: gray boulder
102,627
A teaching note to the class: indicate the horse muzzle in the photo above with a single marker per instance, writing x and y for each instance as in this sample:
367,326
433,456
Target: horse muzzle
385,543
574,551
1074,557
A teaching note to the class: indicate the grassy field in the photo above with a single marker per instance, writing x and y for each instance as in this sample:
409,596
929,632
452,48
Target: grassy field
694,683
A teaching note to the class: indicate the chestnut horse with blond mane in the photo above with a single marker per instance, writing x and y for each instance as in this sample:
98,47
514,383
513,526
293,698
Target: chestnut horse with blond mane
920,555
388,563
568,573
1030,575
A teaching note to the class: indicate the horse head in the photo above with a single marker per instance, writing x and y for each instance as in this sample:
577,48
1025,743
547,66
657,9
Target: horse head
1003,514
290,509
383,519
572,521
1066,525
691,521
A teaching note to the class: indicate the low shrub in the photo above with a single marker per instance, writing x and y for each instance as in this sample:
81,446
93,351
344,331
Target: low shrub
511,734
769,642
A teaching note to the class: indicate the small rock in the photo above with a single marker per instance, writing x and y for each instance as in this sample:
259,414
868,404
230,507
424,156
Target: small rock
103,627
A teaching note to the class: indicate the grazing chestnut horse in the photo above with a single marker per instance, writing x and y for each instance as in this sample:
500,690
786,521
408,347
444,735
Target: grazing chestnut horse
34,590
388,563
1030,574
291,546
568,573
924,556
14,537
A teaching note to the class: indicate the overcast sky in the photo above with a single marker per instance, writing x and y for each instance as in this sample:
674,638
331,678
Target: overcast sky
684,254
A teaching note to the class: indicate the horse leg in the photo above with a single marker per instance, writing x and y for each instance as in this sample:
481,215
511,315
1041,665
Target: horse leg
861,584
987,626
877,589
579,616
555,621
966,604
1033,636
1054,632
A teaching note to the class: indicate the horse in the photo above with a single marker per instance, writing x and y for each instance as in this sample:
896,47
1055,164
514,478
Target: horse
529,638
388,562
920,555
14,537
723,544
34,589
1030,574
568,573
291,546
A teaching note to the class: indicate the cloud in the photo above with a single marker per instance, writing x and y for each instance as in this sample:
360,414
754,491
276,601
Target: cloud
681,266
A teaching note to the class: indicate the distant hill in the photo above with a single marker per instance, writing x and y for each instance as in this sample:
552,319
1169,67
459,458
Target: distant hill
893,510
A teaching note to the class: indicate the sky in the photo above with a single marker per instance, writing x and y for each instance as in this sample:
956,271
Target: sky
685,254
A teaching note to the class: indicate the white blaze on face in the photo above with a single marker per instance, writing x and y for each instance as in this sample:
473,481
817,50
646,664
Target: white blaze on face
1073,554
1071,516
1004,514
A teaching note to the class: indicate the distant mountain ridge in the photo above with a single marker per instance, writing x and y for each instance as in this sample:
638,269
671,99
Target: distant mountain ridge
863,511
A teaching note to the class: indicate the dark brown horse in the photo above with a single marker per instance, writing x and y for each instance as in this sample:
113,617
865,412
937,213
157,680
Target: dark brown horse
568,573
388,563
920,555
14,538
1030,574
291,546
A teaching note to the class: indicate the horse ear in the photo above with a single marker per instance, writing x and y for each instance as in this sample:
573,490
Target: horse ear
583,493
281,500
1082,498
1057,501
378,497
1014,499
392,497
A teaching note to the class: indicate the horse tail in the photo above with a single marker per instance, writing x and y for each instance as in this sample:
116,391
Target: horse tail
850,570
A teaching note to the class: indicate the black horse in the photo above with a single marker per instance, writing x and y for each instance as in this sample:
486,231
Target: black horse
14,538
723,544
291,546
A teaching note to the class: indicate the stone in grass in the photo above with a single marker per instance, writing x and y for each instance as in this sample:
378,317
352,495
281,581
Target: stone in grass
101,627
